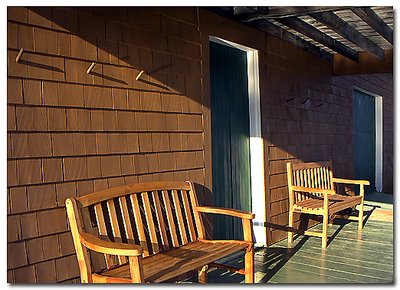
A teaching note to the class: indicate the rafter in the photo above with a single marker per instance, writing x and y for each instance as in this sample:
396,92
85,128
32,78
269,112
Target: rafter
289,11
287,36
317,35
373,20
338,25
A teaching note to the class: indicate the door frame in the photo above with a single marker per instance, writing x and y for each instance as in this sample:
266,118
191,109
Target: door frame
258,198
378,137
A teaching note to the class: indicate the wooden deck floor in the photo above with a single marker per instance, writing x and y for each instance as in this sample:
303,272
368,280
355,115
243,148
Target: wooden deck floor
351,256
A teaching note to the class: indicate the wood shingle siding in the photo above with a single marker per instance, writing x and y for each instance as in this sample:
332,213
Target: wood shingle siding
72,133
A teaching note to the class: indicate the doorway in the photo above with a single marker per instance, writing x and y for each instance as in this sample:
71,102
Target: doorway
367,116
237,147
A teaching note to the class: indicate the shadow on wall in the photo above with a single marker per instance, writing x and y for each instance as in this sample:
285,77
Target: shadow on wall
123,41
302,120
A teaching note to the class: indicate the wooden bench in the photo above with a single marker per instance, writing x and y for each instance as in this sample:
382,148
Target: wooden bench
311,191
151,232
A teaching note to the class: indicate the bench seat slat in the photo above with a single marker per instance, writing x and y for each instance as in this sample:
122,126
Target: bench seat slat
167,265
336,202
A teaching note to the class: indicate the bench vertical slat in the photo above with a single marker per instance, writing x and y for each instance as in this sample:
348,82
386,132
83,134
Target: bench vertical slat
160,219
331,186
179,216
150,222
101,223
326,177
302,182
322,178
319,177
308,172
316,177
115,227
188,215
139,224
87,223
296,181
197,218
299,178
126,220
312,174
170,218
299,196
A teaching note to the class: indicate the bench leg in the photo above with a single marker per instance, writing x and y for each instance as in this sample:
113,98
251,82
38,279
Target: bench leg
136,269
290,233
361,210
249,266
325,231
361,215
202,275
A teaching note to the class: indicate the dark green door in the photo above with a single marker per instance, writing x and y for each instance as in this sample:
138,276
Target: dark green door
364,138
230,136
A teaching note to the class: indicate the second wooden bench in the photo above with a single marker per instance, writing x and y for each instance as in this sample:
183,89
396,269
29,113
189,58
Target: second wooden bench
311,191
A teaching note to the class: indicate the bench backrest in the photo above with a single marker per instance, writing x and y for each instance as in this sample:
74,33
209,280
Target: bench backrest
311,174
155,215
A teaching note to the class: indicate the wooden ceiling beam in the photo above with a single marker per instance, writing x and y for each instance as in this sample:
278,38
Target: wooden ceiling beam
317,35
243,10
368,64
287,36
373,20
338,25
289,11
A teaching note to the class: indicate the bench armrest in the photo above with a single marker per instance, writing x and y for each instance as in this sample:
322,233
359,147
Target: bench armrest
226,211
93,243
313,190
246,217
350,181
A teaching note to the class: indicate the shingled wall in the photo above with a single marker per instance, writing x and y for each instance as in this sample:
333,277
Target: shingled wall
71,133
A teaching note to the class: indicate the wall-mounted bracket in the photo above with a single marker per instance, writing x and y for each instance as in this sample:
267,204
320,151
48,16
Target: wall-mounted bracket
139,74
19,55
90,67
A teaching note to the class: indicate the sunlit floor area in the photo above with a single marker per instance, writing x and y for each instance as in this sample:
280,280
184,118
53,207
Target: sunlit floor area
351,256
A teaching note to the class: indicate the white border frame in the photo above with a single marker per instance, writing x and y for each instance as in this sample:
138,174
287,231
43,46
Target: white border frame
258,202
378,137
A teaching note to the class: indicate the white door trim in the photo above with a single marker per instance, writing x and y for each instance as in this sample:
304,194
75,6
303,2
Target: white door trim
258,204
